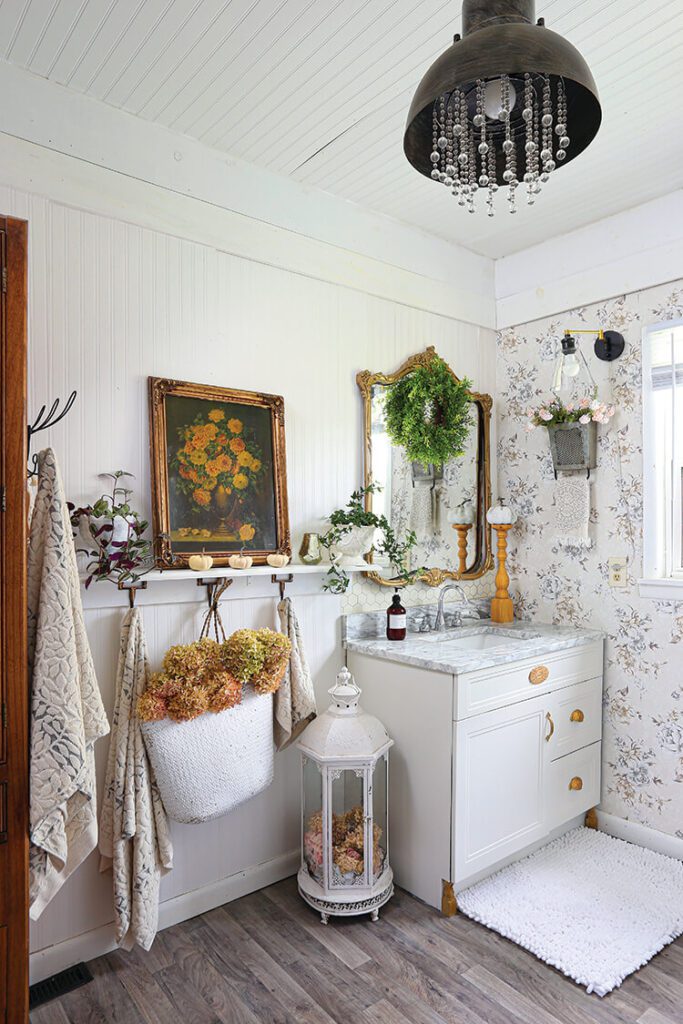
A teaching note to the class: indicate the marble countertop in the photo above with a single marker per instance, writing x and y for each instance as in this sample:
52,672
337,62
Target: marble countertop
434,651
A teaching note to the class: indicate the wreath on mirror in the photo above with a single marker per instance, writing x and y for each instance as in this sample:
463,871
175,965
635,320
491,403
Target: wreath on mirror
428,413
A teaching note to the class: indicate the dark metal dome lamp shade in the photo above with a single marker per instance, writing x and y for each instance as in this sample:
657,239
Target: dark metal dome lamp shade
504,106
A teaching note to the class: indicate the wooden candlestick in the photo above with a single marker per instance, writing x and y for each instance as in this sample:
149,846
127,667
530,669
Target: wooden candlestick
501,606
463,529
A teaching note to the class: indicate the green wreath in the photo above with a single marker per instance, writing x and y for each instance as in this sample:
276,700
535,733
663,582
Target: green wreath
428,412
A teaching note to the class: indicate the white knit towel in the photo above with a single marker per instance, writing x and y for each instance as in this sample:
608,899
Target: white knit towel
572,511
134,834
295,703
67,714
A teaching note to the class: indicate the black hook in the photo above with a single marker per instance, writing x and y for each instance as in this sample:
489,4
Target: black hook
43,422
282,581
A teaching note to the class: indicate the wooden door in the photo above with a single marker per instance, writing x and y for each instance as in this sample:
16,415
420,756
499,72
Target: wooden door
499,770
13,654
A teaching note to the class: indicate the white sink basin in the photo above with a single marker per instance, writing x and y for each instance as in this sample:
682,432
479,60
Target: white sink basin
482,639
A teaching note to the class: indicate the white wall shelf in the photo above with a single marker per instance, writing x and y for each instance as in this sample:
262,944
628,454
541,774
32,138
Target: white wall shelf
226,573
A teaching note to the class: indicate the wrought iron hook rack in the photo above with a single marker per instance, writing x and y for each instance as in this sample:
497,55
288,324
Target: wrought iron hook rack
43,422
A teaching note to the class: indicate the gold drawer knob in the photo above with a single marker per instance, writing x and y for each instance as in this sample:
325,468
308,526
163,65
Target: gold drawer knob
539,674
576,783
577,716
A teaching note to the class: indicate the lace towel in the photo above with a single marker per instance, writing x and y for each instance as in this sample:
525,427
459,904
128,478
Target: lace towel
134,836
295,703
572,511
67,715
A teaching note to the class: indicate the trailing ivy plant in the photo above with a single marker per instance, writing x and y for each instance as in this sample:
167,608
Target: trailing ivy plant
122,560
354,513
428,413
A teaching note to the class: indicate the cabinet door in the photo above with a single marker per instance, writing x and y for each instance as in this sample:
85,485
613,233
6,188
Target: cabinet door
499,784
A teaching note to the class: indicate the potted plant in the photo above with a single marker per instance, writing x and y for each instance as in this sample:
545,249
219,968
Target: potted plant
428,413
354,531
110,533
572,430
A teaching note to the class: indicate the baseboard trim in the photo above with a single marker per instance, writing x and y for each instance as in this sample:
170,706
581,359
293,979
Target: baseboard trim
641,835
53,959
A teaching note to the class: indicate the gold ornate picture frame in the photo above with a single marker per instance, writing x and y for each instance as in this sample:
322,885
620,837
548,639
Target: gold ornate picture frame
483,562
219,476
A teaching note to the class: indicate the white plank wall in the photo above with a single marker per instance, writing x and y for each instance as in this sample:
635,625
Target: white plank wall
112,302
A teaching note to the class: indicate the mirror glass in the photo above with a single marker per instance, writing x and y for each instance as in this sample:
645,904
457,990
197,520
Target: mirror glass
430,501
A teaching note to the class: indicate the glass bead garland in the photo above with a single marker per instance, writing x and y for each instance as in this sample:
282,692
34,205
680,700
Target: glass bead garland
469,148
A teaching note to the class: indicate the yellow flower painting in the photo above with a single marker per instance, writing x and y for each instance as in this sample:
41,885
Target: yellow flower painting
221,486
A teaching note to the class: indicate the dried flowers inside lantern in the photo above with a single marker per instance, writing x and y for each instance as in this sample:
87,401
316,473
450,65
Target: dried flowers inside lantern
345,853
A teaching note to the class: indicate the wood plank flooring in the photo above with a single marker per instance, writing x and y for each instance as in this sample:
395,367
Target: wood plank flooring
266,959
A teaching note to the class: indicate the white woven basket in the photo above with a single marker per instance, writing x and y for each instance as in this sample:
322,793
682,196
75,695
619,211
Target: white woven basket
209,766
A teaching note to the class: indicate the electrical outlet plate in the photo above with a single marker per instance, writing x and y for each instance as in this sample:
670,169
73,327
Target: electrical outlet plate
617,571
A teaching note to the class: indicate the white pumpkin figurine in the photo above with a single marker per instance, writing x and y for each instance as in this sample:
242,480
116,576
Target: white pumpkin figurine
240,561
463,514
277,560
501,515
200,563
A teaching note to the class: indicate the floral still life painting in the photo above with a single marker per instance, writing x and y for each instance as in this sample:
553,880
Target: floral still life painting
218,463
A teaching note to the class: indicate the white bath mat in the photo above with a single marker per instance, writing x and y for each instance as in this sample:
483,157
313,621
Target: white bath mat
595,907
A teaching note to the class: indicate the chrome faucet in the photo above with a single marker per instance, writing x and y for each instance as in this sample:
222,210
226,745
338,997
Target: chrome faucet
467,611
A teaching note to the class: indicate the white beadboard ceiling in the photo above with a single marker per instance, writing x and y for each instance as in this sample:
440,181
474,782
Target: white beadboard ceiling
318,90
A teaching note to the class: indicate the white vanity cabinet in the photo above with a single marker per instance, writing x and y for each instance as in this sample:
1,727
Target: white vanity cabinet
488,764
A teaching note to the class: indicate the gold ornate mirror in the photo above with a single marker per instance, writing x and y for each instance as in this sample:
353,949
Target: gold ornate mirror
430,502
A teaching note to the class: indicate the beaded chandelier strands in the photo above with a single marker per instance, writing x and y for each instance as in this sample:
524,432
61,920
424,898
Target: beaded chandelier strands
474,143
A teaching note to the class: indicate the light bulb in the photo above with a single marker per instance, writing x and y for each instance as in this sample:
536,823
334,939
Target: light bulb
570,365
493,98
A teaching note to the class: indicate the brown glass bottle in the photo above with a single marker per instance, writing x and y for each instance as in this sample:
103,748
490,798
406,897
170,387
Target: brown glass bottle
397,620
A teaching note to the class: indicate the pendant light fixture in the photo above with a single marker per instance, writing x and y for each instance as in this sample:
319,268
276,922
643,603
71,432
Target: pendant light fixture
504,106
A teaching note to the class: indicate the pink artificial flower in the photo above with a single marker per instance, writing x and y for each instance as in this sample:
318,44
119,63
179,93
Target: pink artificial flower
584,403
569,407
545,415
585,418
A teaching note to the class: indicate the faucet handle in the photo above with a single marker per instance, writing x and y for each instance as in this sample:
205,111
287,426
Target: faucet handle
457,618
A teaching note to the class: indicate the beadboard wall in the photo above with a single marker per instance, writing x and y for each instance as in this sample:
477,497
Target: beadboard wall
112,302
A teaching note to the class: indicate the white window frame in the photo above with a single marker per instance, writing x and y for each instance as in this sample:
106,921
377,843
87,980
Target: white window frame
662,572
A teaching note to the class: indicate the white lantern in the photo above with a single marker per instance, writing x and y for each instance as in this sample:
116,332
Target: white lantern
344,793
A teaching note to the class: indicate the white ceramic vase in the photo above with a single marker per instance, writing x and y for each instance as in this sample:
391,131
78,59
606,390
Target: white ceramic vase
352,546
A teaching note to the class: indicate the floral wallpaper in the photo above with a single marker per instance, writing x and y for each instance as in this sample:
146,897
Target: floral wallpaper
643,702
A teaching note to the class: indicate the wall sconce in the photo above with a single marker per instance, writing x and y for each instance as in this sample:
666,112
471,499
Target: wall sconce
608,346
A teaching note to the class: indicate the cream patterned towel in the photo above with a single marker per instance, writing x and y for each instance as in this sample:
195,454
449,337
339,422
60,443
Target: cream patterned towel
572,511
67,715
134,836
295,703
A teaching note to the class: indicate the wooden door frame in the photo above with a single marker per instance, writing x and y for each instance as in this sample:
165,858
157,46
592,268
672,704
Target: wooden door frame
13,590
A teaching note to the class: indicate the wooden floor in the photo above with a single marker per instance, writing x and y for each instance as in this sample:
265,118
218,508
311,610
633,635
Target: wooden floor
266,958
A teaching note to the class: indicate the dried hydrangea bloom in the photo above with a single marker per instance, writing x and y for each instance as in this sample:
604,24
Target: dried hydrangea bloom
244,654
151,707
193,662
189,703
277,649
225,692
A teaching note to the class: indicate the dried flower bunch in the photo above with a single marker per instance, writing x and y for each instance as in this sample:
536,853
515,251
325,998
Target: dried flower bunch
587,410
347,843
208,676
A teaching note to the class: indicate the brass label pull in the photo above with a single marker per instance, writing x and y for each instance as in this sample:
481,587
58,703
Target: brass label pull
539,674
577,716
576,783
549,720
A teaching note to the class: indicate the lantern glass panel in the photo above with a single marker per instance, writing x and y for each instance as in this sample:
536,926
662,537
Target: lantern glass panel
313,819
379,818
347,821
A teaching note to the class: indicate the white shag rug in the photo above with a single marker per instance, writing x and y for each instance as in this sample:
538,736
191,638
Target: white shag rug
595,907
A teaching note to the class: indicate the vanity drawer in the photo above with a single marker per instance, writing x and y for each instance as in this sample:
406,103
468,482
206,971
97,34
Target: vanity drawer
573,785
576,717
490,688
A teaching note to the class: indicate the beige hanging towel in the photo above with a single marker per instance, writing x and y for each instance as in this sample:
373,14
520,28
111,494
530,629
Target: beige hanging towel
295,699
572,511
67,715
134,836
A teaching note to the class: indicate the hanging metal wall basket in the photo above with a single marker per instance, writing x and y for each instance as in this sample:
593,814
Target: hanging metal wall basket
574,446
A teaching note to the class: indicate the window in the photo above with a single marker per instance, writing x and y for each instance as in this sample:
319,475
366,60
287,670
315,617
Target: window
663,459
